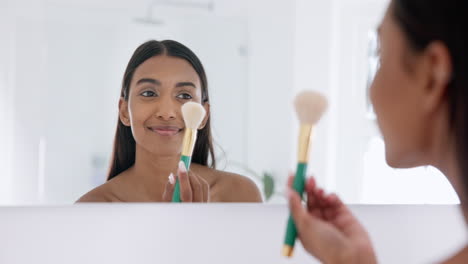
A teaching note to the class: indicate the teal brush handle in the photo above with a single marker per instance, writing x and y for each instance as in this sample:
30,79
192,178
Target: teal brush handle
176,195
298,185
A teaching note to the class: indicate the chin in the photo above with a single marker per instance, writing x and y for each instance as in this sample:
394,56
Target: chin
163,151
401,160
160,148
394,163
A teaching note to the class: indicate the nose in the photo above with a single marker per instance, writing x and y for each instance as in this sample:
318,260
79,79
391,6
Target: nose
166,110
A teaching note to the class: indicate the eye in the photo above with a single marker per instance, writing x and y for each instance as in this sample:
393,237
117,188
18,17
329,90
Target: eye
184,96
148,94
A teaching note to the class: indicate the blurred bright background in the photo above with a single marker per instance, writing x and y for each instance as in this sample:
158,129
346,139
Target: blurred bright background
62,61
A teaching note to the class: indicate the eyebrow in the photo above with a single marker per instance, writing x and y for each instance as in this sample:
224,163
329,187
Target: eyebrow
149,80
182,84
157,82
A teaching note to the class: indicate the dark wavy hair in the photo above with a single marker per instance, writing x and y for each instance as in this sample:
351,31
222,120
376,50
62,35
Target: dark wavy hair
123,154
425,21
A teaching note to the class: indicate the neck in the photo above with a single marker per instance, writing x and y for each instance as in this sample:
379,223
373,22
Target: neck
151,171
447,162
460,257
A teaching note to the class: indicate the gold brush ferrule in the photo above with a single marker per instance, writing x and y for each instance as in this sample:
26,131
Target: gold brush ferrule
305,139
288,251
188,144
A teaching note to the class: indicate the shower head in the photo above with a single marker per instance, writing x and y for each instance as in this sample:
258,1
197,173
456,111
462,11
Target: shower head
149,19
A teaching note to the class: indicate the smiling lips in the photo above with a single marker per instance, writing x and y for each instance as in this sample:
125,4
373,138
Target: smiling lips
165,130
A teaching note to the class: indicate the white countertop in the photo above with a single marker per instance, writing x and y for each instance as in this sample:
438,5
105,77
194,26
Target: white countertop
216,233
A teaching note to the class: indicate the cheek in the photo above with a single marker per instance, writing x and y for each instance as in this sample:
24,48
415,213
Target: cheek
199,96
385,100
142,114
378,96
135,112
138,113
396,108
196,97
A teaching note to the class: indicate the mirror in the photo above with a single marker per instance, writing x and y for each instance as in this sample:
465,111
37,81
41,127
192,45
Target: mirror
61,68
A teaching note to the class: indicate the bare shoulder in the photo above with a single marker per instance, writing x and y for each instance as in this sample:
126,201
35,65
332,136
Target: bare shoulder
228,186
101,194
232,187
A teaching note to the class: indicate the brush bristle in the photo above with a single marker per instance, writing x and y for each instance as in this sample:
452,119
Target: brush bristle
310,106
193,114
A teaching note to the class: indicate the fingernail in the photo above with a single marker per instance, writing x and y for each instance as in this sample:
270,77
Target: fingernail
171,179
182,167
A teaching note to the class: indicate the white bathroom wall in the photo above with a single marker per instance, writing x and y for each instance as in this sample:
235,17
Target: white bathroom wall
27,90
331,57
353,22
270,93
5,134
312,62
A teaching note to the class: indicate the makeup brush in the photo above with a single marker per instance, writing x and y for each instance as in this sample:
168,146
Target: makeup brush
193,114
310,107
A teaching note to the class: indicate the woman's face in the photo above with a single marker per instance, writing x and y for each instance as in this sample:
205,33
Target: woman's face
404,96
159,88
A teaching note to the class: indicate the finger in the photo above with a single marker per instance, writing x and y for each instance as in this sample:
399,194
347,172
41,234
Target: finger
290,180
169,189
330,213
331,199
298,212
334,206
311,189
307,223
314,203
321,197
343,218
316,210
186,194
318,237
197,189
311,184
312,199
